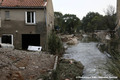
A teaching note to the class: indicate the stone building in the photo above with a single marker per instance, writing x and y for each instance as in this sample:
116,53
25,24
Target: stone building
26,22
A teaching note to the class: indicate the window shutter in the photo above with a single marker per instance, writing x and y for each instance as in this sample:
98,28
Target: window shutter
25,17
34,18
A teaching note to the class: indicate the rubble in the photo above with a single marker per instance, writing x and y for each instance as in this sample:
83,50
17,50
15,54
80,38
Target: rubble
69,39
24,65
72,41
68,69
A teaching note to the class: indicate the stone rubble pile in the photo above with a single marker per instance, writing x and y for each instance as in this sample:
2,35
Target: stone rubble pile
24,65
69,39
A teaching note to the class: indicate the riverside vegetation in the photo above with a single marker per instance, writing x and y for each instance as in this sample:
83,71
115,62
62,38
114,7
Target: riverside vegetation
55,44
112,48
114,66
66,69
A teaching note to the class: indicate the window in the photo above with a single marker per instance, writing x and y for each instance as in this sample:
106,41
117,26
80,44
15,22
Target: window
7,15
7,39
30,17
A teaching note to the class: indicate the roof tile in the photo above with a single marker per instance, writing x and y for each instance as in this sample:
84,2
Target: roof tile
23,3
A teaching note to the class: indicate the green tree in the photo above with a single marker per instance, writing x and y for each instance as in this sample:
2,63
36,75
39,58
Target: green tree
110,18
71,23
67,23
92,21
58,20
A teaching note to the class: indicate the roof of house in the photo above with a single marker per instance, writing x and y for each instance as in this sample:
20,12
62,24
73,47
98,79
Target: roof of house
23,3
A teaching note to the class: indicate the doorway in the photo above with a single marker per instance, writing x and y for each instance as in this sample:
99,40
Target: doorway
30,39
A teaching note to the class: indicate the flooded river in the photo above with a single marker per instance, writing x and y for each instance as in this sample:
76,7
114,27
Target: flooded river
93,60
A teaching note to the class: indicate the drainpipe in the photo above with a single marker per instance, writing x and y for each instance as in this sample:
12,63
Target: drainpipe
45,15
0,22
0,13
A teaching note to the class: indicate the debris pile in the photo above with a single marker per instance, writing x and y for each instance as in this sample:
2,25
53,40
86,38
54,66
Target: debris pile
69,69
69,39
24,65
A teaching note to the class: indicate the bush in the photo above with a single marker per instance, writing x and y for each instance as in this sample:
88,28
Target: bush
114,63
55,44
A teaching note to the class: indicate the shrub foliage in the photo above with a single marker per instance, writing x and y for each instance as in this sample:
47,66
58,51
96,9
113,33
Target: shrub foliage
55,44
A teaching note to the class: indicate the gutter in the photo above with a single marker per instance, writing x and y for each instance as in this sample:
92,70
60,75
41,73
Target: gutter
18,7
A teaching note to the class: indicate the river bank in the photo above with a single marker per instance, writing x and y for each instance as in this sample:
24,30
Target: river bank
68,69
112,49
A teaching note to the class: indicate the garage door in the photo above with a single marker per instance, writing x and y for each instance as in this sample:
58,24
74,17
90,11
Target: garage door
30,39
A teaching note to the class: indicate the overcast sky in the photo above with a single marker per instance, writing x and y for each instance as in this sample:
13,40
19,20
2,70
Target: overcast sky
82,7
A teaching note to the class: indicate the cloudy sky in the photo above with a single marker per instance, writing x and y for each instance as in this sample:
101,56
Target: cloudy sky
82,7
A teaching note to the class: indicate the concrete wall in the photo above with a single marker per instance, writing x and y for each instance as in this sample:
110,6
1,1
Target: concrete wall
49,18
118,14
117,29
16,25
50,14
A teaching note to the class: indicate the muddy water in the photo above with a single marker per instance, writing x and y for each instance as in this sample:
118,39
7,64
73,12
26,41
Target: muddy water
93,60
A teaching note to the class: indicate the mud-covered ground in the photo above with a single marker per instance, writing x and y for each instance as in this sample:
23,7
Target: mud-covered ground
24,65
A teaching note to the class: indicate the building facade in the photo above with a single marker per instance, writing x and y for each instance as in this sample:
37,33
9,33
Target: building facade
26,22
